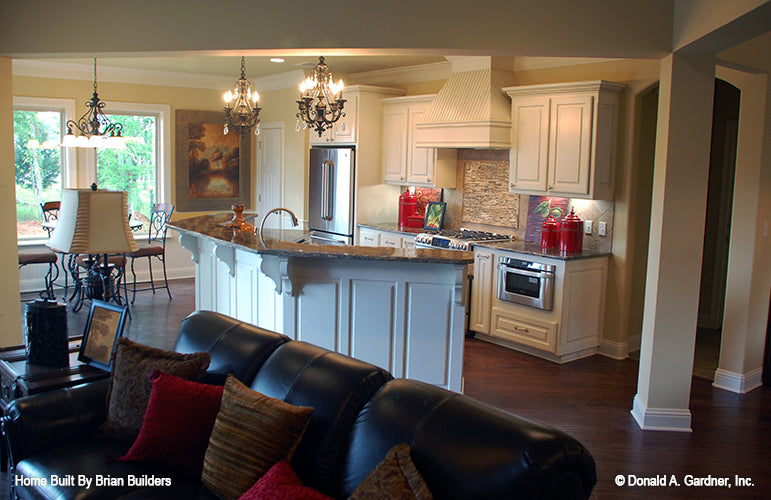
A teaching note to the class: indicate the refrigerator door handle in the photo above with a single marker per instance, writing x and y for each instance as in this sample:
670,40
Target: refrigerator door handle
325,194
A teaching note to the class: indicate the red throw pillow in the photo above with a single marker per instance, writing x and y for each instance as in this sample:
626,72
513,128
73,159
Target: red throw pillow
178,422
281,483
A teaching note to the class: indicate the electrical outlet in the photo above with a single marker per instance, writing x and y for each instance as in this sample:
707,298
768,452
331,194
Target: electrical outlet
587,227
602,230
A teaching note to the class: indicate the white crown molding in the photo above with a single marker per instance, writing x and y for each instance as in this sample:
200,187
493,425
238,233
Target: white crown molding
407,74
70,71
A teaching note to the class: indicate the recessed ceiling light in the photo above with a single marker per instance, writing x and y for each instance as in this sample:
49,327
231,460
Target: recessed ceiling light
277,59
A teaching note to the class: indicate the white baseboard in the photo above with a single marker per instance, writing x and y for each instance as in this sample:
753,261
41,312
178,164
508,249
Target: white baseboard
613,349
661,419
738,382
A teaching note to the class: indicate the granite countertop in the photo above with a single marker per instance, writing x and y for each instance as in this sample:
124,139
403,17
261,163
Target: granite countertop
284,242
528,248
517,246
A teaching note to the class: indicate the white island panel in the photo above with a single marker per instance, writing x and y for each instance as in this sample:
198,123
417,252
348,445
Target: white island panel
372,328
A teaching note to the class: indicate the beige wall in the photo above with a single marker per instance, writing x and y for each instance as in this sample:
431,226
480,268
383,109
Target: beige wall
9,316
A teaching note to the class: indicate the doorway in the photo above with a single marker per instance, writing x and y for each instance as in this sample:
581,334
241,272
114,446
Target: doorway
717,229
269,180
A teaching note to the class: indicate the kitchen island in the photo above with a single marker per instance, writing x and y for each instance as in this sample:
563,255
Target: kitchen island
400,309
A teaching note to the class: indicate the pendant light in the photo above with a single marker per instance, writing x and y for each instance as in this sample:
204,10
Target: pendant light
320,101
95,129
241,110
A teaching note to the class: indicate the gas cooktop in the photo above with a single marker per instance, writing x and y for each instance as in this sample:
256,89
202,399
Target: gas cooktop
461,239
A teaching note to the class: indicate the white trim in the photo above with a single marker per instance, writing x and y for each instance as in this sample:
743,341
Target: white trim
661,419
738,382
73,71
67,109
613,349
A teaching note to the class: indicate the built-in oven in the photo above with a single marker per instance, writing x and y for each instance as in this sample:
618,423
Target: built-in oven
526,282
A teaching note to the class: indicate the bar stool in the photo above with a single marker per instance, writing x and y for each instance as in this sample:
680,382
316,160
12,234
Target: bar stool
42,256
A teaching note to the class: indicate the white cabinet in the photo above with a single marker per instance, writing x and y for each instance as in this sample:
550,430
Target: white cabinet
563,139
369,237
403,162
482,290
390,240
343,131
571,330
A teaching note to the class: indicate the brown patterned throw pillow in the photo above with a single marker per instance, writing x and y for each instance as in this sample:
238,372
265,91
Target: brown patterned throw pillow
394,478
251,433
131,383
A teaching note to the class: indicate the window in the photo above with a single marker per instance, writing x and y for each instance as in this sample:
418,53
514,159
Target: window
142,169
41,165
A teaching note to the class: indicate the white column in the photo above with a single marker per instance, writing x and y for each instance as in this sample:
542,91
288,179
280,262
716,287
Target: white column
680,177
749,257
10,309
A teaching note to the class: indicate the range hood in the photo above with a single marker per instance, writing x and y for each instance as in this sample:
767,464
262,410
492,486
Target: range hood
470,110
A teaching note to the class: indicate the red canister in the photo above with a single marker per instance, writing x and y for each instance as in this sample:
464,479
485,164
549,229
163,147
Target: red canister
571,234
550,233
408,206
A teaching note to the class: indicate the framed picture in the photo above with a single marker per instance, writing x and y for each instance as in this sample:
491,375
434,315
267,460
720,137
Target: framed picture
103,328
434,215
212,169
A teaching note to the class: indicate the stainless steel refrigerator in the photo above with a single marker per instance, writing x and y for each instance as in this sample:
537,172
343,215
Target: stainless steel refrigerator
331,194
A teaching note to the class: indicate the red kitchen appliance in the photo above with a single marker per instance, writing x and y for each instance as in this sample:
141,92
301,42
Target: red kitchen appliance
550,234
408,206
571,234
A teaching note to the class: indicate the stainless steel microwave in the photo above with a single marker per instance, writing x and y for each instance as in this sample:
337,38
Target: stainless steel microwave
526,282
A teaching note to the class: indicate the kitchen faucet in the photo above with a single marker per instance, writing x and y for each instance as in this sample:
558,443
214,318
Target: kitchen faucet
277,209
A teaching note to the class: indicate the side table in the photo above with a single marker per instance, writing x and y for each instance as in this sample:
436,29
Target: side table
18,378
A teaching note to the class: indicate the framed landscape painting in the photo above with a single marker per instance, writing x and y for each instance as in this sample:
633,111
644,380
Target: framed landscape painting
103,328
212,169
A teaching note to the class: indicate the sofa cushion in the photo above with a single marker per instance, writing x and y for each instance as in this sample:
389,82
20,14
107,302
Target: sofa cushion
234,346
281,483
177,425
251,433
394,477
131,383
503,456
337,387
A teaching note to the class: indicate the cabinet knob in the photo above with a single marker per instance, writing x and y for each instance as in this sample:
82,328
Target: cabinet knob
550,188
401,178
512,185
428,179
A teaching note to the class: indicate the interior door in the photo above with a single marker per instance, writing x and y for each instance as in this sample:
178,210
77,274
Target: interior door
270,185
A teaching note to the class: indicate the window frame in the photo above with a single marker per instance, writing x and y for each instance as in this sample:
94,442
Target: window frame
162,114
69,159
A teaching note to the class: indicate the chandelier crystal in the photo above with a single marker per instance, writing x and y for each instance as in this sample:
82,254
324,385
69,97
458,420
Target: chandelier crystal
320,101
241,110
95,129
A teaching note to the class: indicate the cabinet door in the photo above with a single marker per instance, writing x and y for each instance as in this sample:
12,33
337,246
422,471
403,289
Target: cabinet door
421,162
529,157
345,127
481,291
570,142
394,144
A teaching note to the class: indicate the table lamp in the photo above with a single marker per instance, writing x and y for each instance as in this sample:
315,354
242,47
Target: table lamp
94,222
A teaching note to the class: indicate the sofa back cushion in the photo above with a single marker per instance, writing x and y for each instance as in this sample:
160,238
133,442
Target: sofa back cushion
235,346
337,387
465,449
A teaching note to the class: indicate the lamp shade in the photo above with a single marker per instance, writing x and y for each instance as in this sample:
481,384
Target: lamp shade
93,222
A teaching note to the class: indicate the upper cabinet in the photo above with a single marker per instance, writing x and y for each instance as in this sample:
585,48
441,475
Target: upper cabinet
563,139
403,162
344,130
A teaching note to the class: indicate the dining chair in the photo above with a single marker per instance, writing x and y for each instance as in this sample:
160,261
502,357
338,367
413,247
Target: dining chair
155,246
42,256
50,213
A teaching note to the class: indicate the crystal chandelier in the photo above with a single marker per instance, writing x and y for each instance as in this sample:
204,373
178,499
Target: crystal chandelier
95,129
320,102
241,110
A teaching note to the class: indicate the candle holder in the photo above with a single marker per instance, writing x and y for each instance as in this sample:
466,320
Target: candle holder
238,222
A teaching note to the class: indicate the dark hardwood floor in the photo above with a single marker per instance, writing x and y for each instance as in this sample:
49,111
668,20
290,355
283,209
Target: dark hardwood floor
589,399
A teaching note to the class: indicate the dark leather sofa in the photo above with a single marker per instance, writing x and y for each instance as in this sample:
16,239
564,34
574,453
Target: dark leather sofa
464,449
